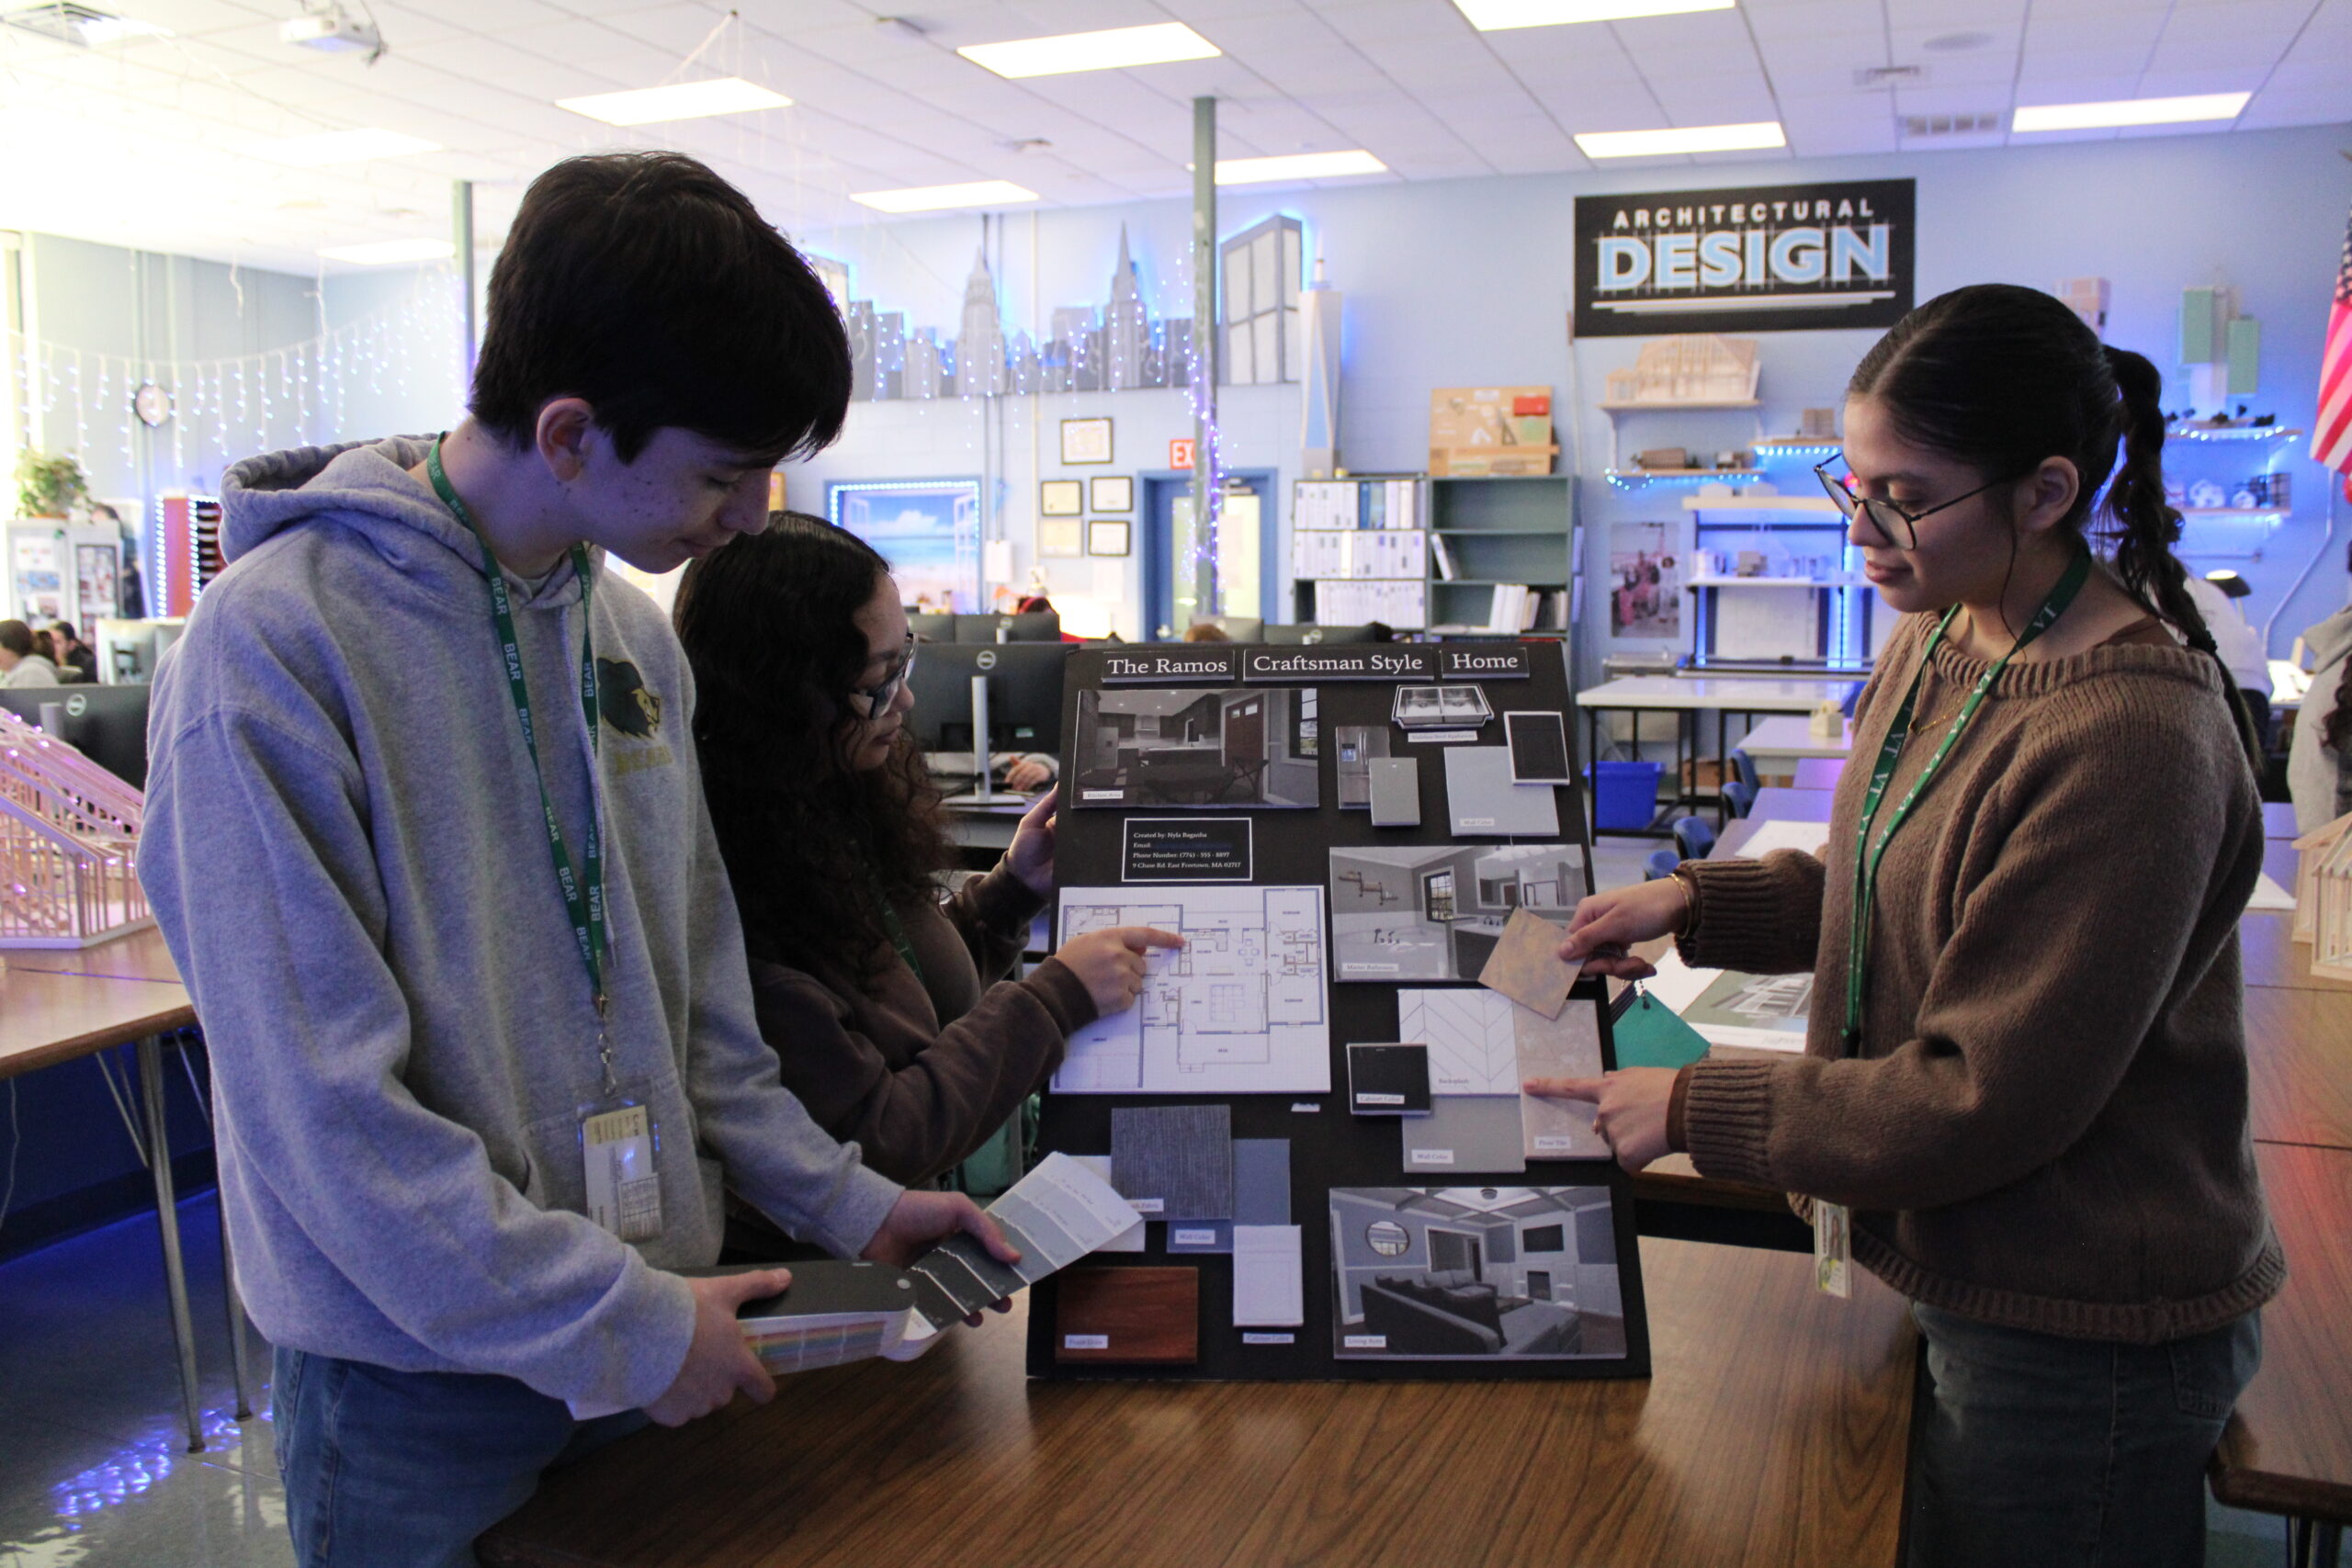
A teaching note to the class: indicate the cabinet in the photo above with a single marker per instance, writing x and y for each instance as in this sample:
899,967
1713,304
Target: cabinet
2226,483
1502,532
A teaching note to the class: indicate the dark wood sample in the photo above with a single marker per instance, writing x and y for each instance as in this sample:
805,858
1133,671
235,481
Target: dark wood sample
1150,1315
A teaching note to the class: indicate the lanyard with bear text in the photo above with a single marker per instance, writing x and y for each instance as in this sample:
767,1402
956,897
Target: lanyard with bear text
1867,853
584,891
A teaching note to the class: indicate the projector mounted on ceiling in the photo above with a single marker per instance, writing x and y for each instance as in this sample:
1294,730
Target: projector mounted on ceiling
331,29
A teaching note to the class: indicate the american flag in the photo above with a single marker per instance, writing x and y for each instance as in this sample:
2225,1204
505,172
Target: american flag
2331,431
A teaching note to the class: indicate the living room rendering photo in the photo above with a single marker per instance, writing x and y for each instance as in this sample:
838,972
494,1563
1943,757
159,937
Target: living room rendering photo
1435,1272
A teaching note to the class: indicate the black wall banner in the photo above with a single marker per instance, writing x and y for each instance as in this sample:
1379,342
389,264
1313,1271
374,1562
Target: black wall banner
1751,259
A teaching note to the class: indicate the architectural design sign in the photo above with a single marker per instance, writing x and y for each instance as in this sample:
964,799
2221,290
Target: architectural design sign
1762,258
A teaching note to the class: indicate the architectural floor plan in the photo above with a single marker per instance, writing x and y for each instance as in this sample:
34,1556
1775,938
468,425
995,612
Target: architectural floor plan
1239,1009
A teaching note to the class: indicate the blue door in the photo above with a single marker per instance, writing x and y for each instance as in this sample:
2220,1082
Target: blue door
1160,574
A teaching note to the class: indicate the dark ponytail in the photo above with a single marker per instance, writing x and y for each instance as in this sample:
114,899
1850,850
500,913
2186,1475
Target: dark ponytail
2002,378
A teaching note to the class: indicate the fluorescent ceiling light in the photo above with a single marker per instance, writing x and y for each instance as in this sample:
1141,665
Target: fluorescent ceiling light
1494,15
384,253
1296,167
1689,139
1111,50
2130,111
340,147
686,100
932,199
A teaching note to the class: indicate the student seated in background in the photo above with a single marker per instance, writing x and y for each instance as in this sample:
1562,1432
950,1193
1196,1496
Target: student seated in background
73,652
886,1005
22,663
2319,764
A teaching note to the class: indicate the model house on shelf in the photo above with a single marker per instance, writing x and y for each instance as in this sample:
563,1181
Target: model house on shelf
2324,898
1686,370
69,844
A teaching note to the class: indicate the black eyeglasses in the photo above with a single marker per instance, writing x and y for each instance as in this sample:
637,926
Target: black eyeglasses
1896,526
883,692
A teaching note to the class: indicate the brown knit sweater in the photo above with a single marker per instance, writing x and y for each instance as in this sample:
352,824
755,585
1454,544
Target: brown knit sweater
919,1071
2046,1125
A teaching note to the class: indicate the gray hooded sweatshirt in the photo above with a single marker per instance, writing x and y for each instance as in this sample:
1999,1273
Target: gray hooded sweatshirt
345,852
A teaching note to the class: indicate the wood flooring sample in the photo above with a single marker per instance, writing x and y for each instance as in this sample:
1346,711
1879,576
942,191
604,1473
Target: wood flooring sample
1129,1315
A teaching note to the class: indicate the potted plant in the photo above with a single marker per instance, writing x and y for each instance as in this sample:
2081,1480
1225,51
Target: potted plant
49,487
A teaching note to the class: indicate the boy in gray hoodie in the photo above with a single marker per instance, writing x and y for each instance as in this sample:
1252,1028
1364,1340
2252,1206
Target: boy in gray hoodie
425,836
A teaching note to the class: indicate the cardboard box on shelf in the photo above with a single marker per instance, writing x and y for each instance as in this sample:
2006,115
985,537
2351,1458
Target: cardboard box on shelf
1485,416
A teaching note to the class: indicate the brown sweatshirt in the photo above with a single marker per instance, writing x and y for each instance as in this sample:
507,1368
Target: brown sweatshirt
2045,1127
920,1071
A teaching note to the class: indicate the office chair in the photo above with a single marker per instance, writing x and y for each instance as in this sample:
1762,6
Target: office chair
1661,865
1693,838
1740,796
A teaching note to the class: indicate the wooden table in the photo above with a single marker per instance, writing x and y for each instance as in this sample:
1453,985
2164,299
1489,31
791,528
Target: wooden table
2289,1449
1774,1430
60,1004
1685,697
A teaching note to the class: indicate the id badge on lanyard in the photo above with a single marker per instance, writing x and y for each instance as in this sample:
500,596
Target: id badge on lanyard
618,1139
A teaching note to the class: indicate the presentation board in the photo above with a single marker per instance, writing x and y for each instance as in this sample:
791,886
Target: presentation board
1315,1107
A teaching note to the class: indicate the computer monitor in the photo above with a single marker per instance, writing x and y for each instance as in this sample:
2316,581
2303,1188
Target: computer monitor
1038,625
1315,635
106,724
1024,695
931,627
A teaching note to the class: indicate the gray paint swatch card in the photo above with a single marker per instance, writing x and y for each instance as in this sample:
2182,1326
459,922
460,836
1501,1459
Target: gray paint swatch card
1485,802
1465,1132
1174,1162
1261,1181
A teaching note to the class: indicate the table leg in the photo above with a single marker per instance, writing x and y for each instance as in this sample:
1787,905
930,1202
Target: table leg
239,1365
158,1155
2315,1543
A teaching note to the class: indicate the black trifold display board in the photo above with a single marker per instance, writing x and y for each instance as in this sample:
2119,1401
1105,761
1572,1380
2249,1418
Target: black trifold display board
1465,1267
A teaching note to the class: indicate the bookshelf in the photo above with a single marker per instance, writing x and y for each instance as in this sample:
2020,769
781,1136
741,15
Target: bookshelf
1507,530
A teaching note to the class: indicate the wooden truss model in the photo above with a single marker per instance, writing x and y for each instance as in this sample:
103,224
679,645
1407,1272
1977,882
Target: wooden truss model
1688,368
69,844
2324,898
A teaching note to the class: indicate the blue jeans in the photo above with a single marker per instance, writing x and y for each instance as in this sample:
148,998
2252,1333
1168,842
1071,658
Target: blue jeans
2069,1454
403,1470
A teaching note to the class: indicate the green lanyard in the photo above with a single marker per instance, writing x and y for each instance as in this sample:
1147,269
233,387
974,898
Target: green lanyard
895,926
1867,856
584,893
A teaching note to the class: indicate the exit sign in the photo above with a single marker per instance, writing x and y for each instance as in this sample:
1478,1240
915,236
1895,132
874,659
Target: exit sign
1181,452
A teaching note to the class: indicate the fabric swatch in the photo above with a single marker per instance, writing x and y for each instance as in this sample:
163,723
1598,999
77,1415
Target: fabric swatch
1177,1157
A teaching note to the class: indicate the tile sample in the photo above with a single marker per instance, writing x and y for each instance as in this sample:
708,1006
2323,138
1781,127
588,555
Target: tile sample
1129,1315
1526,966
1465,1132
1565,1047
1174,1162
1388,1081
1483,802
1469,1035
1269,1283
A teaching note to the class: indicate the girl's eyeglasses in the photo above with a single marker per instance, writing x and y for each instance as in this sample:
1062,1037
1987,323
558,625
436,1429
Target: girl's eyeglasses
1897,527
883,692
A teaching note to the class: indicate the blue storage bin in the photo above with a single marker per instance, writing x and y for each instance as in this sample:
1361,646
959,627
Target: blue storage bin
1624,795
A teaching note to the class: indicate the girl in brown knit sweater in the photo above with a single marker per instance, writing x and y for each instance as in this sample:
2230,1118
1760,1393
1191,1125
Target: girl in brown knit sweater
2028,1081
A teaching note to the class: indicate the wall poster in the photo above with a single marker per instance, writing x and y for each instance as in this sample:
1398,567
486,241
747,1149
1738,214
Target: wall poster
1646,579
1749,259
928,530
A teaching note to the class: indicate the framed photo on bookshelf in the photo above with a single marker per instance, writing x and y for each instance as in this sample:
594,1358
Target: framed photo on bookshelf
1060,536
1086,440
1061,498
1108,536
1110,492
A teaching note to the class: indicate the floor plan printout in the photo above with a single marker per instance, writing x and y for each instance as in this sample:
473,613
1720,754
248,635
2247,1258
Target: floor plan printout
1239,1008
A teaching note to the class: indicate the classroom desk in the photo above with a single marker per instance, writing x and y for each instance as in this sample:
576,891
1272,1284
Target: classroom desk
957,1459
2289,1449
2272,956
47,1018
1776,745
1774,802
2277,819
2299,1060
141,955
1819,772
1685,697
